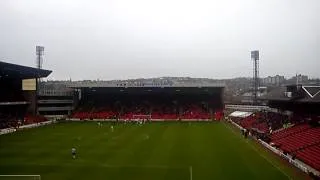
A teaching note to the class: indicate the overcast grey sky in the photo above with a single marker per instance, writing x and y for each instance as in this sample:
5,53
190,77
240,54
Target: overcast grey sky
119,39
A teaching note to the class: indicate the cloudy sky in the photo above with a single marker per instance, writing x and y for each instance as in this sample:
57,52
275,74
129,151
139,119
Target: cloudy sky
119,39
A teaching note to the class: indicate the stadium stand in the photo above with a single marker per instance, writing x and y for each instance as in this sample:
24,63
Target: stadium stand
289,131
303,138
265,121
156,112
310,155
162,111
167,103
31,119
16,102
195,112
300,140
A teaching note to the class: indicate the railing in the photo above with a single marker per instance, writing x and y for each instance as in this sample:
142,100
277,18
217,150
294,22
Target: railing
65,108
249,107
14,103
55,101
51,92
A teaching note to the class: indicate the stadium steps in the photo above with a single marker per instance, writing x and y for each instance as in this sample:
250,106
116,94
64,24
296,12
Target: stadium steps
289,131
310,155
299,140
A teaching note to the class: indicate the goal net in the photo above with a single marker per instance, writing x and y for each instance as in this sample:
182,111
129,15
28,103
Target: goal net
139,117
20,177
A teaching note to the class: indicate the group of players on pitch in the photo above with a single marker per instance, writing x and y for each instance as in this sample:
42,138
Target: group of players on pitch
74,150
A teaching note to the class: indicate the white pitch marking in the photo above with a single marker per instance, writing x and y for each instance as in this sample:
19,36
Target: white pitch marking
190,170
20,175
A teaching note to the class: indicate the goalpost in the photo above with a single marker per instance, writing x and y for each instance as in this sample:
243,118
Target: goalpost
20,177
141,117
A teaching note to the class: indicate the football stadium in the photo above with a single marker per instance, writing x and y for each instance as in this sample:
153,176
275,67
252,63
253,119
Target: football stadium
152,130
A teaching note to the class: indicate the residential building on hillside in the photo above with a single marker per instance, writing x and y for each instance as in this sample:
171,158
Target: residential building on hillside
273,80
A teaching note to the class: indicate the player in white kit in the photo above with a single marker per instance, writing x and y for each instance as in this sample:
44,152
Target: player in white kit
73,152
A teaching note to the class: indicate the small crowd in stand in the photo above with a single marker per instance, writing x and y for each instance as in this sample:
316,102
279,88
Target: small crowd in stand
155,111
11,121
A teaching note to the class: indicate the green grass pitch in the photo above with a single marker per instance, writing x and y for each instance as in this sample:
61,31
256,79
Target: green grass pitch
159,150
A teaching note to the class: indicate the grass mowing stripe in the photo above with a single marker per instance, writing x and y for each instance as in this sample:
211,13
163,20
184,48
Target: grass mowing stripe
163,150
151,166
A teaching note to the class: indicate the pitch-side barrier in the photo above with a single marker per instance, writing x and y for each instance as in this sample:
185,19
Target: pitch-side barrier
302,166
156,120
11,130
